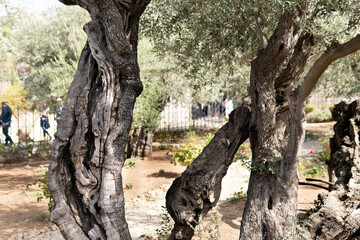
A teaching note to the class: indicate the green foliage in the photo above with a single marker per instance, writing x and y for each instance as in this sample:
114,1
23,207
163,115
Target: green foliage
244,155
324,154
45,51
205,48
157,82
239,194
165,226
130,162
317,116
192,148
317,170
214,41
186,154
208,138
42,183
15,96
129,186
16,151
309,109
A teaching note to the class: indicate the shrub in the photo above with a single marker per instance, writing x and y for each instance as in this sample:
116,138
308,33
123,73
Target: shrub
186,154
318,116
309,109
324,154
42,182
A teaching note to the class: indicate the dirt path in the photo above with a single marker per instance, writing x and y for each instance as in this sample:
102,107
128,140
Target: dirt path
20,212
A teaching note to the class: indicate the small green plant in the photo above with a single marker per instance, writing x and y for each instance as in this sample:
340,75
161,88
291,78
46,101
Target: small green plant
244,155
316,170
309,109
239,194
208,138
42,183
130,162
164,229
129,186
324,154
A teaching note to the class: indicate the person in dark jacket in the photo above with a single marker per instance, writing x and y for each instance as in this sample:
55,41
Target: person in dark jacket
6,121
44,123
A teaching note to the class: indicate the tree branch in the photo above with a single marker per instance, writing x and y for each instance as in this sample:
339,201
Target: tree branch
261,37
82,3
324,61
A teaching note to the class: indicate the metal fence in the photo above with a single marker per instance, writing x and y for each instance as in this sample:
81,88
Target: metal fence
320,100
25,126
180,116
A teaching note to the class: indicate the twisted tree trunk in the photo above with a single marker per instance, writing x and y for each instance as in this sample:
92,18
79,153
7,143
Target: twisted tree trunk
339,213
89,148
197,190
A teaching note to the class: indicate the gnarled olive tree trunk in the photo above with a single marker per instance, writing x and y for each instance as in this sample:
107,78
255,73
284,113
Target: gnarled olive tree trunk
270,210
89,148
339,213
197,190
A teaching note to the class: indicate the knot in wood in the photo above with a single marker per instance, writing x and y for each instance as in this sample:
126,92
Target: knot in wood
134,84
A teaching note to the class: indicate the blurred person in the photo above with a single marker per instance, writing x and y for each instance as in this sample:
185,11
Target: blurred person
6,121
44,123
59,110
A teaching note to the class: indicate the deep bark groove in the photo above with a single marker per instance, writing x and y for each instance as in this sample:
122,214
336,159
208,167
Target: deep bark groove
275,103
89,148
339,215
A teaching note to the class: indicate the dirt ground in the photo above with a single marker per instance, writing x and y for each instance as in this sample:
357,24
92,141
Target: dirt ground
20,211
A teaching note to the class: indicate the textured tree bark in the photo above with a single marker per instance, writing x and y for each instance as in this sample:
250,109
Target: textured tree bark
270,210
140,143
89,148
197,190
339,215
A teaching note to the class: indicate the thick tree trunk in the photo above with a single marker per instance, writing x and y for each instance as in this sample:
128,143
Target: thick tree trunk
339,215
140,143
192,195
270,210
89,148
